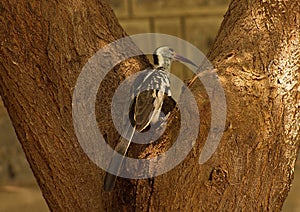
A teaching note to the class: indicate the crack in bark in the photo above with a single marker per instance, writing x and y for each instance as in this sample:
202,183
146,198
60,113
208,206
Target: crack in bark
151,182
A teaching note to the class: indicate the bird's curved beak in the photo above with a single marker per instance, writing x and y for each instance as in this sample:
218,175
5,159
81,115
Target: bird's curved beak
183,59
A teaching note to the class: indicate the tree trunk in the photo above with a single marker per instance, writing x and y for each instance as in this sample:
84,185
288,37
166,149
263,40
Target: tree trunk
44,45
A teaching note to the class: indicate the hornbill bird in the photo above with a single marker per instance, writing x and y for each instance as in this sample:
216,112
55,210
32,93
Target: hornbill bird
151,94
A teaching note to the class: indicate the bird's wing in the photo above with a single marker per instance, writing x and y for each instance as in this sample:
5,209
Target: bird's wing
143,107
150,88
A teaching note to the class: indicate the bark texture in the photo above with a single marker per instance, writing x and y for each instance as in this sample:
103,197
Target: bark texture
44,45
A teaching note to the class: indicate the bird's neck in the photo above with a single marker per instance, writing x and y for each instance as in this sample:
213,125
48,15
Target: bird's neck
165,64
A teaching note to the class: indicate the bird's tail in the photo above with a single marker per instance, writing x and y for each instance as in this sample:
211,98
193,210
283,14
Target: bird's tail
116,162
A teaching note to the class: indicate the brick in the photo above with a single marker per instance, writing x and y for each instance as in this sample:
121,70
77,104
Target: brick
201,32
120,7
135,26
165,8
170,26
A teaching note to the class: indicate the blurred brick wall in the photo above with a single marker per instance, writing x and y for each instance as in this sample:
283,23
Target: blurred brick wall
13,164
196,21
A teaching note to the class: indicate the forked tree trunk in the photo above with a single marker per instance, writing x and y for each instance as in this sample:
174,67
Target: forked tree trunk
44,45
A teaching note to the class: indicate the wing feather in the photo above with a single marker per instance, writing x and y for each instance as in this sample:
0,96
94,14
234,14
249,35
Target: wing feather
143,109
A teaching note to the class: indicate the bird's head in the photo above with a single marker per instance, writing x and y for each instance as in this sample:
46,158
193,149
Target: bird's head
163,57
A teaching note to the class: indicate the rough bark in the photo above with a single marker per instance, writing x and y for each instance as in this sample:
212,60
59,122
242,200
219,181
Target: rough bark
44,45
